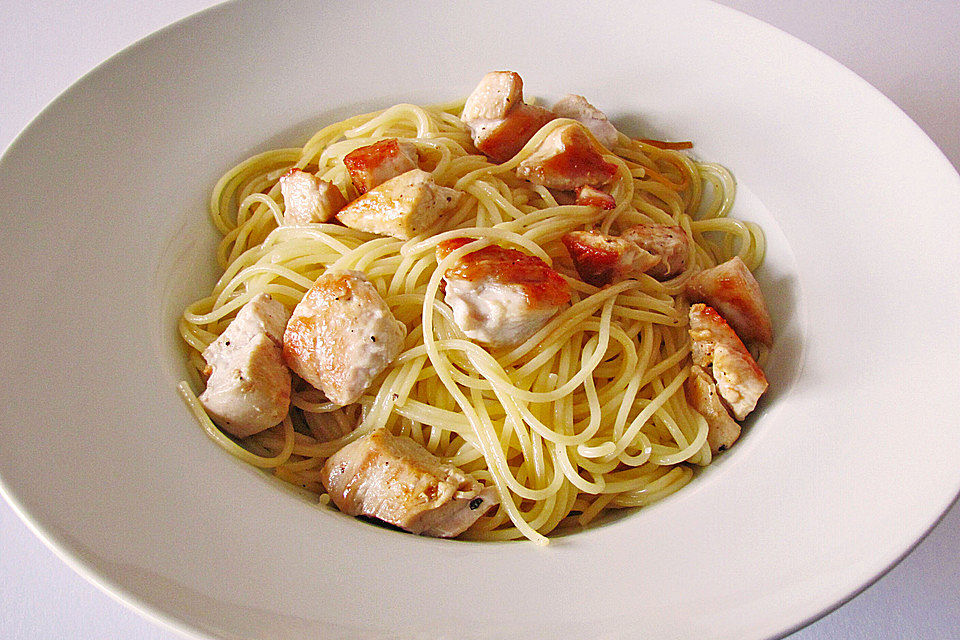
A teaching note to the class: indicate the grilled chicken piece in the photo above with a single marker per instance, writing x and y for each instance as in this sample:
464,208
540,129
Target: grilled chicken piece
740,380
341,336
394,479
333,425
590,197
602,259
308,199
500,297
497,93
703,396
577,108
501,140
499,121
248,389
669,244
402,207
567,159
733,291
374,164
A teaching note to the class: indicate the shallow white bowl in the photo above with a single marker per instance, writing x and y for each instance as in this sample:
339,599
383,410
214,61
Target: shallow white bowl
849,463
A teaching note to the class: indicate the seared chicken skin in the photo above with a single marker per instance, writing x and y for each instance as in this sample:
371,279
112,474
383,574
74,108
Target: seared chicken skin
394,479
307,198
500,297
590,197
402,207
501,140
567,159
341,336
374,164
248,389
654,249
670,245
733,291
577,108
602,259
500,122
716,346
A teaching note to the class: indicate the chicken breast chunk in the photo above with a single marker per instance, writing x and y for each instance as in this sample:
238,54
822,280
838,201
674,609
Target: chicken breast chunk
703,396
500,122
669,244
402,207
500,297
739,379
497,93
248,389
374,164
502,139
341,336
394,479
602,259
733,291
567,159
590,197
333,425
577,108
307,198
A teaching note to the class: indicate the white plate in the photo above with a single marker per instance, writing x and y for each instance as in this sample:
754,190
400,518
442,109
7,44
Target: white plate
851,461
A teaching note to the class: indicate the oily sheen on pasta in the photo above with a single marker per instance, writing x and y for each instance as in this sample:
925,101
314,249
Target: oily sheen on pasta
588,414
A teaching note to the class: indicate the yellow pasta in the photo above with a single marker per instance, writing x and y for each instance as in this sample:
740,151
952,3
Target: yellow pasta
587,415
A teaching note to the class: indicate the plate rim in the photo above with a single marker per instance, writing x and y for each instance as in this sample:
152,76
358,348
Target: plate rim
57,541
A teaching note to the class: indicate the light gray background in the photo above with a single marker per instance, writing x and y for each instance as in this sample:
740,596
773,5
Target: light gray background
908,50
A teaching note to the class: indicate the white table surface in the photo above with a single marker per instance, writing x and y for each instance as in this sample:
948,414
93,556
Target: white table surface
908,50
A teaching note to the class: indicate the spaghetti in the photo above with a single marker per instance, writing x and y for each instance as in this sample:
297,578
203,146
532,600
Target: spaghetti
586,416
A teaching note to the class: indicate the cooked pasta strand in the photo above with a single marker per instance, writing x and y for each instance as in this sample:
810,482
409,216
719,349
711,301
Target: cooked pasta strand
587,415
